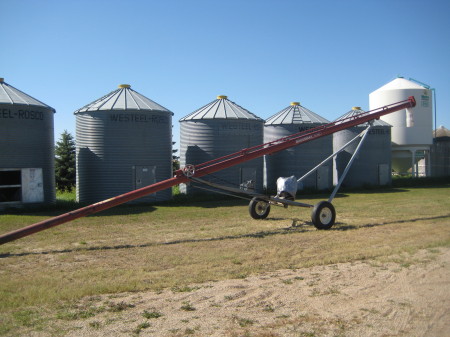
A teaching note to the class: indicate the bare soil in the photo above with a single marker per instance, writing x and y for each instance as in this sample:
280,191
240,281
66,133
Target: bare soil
407,295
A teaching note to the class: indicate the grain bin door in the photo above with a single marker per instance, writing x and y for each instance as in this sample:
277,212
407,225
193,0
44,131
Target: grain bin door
383,174
248,179
32,185
144,176
322,178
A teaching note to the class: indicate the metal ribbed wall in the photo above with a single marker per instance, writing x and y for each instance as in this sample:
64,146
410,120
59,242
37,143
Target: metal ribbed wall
27,136
300,159
203,139
122,150
373,163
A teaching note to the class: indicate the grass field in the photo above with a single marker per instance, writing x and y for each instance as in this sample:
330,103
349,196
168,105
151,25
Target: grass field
172,245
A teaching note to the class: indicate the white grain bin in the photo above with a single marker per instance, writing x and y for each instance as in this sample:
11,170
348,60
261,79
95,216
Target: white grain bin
123,143
219,128
411,128
372,165
27,155
300,159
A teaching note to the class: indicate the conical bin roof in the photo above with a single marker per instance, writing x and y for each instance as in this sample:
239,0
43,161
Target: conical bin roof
355,111
123,98
295,114
11,95
221,108
441,132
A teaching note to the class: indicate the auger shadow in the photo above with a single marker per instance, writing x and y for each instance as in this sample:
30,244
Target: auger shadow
261,234
297,227
369,225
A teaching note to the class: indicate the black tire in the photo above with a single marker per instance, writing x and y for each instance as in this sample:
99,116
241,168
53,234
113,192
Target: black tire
258,208
323,215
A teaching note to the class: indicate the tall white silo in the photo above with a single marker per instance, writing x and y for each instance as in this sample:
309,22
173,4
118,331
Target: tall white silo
217,129
411,128
27,156
300,159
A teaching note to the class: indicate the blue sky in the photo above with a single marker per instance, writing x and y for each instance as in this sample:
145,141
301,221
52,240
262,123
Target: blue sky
329,55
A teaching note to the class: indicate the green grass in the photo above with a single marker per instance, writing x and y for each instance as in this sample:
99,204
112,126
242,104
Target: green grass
176,244
152,314
66,196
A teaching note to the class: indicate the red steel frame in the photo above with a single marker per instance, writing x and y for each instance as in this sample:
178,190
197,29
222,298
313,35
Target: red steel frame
213,166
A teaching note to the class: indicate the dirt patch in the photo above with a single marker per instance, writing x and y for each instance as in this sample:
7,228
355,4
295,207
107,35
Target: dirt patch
406,295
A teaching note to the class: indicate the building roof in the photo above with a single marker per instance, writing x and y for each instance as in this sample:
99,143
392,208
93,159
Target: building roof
355,111
221,108
11,95
295,114
123,98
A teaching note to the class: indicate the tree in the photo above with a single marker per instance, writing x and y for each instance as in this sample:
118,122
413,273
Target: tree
175,159
65,171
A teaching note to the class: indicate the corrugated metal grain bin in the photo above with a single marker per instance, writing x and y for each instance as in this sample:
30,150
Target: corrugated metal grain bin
27,169
300,159
440,153
372,165
123,143
218,129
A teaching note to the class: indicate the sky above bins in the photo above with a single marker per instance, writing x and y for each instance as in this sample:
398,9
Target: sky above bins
263,54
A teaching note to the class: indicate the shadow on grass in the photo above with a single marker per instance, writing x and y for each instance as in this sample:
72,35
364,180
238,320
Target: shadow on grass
260,235
63,207
351,227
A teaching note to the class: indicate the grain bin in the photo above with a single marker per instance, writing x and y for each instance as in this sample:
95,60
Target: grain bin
411,128
302,158
440,153
217,129
123,143
27,169
373,162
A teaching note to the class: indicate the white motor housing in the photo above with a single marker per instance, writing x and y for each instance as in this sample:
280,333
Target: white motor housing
287,187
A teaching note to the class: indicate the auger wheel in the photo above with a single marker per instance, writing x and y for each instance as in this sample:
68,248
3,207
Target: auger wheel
323,215
259,208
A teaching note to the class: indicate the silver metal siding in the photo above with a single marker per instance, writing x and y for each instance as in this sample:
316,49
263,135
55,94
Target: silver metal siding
27,141
111,142
206,139
375,151
297,160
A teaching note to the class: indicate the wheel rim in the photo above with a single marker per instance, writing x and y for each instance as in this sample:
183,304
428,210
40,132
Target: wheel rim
189,170
325,215
261,207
